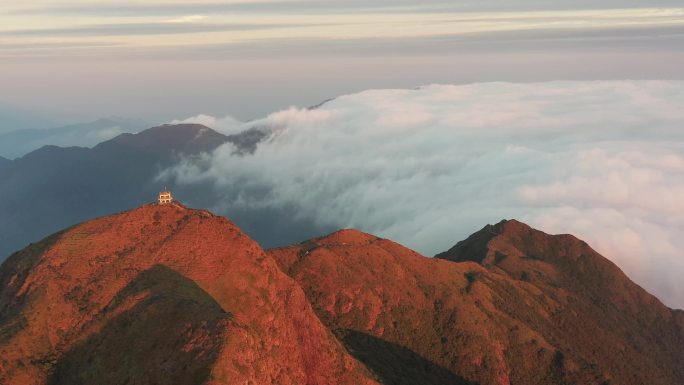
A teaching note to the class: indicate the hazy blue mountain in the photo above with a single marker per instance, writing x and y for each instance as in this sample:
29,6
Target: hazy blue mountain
20,142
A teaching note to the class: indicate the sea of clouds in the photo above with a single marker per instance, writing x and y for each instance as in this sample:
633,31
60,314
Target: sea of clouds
427,167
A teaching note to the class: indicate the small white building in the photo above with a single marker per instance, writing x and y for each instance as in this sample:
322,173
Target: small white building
165,197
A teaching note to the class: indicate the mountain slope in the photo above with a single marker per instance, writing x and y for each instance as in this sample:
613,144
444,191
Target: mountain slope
160,294
513,248
166,294
4,163
162,140
603,312
564,315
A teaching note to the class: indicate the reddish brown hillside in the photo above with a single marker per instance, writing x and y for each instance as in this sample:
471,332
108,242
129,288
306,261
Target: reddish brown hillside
169,295
524,308
160,295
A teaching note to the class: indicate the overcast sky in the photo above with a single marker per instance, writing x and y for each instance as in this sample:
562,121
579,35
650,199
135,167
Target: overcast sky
158,60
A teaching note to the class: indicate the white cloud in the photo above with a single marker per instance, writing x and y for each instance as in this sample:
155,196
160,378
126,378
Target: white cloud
227,125
187,19
426,167
102,134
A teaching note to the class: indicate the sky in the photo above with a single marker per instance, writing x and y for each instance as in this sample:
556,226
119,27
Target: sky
74,60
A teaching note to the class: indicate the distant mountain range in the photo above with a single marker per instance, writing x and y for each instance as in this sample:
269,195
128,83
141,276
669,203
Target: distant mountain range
18,143
164,294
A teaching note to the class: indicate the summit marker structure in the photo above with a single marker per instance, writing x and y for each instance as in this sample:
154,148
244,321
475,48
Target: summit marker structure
165,197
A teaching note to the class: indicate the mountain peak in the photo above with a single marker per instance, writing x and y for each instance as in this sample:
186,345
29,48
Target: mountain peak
18,143
524,253
346,237
181,292
513,225
477,248
534,309
187,138
171,294
119,120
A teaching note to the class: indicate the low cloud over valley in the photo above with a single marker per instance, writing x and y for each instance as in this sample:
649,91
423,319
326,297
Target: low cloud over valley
427,167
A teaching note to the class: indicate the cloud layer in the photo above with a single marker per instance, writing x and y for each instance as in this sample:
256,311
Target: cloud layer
235,30
427,167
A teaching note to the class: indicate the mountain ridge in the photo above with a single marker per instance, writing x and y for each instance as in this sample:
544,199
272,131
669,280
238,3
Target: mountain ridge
169,294
573,335
162,281
517,255
15,144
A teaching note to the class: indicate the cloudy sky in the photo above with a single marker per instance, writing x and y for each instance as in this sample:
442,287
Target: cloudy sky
156,60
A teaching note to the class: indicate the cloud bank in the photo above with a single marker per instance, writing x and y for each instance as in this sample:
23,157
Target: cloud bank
227,125
427,167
